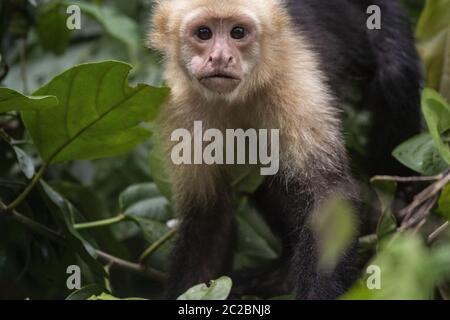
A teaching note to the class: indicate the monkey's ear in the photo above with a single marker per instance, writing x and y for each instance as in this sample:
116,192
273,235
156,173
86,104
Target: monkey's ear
157,38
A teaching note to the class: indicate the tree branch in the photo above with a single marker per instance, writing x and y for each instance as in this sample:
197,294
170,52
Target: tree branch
54,236
32,225
130,266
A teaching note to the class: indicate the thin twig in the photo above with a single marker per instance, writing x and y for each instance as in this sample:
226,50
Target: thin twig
157,244
420,213
37,177
436,233
425,195
101,223
407,179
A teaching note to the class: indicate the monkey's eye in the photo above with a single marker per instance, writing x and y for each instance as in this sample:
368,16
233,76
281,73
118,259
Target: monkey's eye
204,33
238,33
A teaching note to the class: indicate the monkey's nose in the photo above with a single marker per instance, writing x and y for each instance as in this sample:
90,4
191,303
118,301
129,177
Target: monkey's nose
220,60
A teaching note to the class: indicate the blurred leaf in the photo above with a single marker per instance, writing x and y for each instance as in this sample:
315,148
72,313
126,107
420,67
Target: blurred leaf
334,226
86,292
137,193
108,297
437,114
218,290
433,35
154,208
63,213
52,30
386,225
144,205
115,24
386,193
99,115
26,165
152,229
409,271
421,155
11,100
444,203
256,244
246,179
253,250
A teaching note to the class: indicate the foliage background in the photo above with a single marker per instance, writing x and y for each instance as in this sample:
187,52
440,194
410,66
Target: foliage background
118,207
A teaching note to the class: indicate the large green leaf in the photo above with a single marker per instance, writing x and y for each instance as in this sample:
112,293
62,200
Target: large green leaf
433,35
421,155
218,290
99,115
11,100
437,114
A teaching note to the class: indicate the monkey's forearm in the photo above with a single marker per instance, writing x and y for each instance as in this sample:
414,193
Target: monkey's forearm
204,247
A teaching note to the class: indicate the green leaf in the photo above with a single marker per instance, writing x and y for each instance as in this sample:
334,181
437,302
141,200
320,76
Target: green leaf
218,290
409,271
52,28
387,225
86,292
144,205
386,193
11,100
115,24
256,244
109,297
99,114
421,155
334,226
444,203
26,165
64,215
153,230
137,193
154,208
437,114
433,35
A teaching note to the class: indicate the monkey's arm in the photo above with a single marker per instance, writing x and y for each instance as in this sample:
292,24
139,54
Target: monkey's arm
310,282
204,247
287,205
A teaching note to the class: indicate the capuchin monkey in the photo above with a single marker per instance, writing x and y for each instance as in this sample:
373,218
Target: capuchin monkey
283,65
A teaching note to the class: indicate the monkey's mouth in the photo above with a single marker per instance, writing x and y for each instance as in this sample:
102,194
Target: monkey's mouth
220,82
225,76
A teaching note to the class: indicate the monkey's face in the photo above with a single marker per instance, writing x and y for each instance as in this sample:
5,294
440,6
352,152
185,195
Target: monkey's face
219,53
